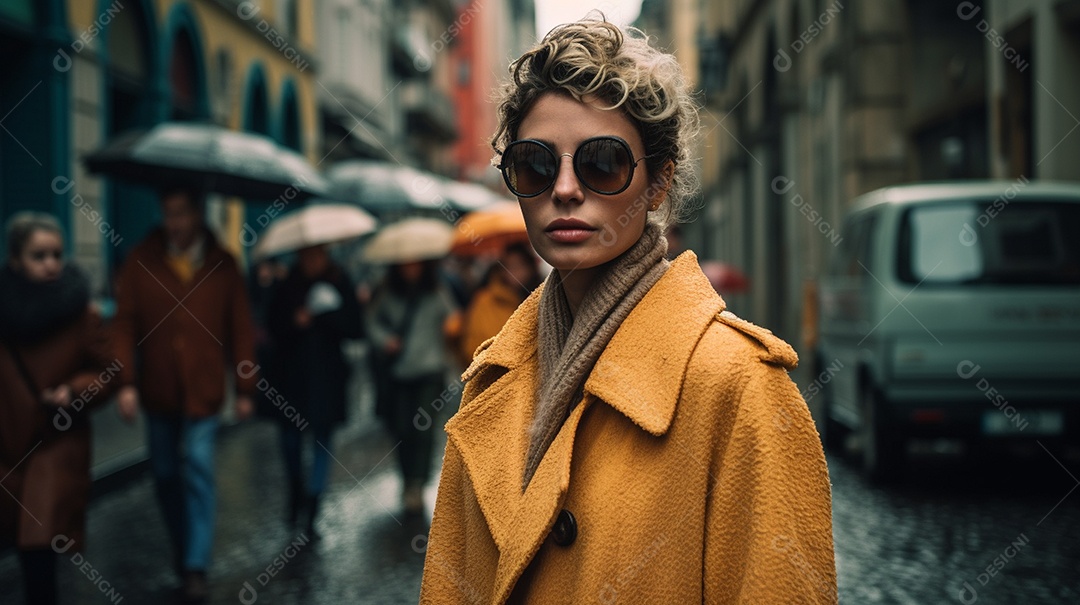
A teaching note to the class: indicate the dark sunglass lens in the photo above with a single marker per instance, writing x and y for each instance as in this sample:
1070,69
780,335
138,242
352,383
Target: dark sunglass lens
529,168
604,165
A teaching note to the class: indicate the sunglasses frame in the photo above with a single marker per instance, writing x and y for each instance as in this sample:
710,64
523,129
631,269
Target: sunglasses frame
573,156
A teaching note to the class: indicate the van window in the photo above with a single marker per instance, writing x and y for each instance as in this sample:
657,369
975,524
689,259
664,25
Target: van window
854,250
990,241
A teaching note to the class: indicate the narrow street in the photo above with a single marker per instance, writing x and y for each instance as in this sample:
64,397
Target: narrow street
954,530
367,552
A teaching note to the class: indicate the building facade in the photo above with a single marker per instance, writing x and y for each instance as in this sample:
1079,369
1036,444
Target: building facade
491,37
810,103
87,71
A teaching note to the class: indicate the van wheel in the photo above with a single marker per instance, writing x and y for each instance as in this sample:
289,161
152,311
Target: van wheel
883,446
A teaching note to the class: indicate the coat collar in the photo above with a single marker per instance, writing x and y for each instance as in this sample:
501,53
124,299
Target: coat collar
640,374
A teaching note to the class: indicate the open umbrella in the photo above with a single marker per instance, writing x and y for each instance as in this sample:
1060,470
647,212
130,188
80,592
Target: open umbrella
384,188
466,197
489,230
312,225
725,278
410,240
208,158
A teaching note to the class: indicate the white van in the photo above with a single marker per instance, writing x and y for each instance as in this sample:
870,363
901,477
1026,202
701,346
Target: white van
952,310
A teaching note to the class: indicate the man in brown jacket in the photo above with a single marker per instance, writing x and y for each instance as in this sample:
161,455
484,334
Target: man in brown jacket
182,319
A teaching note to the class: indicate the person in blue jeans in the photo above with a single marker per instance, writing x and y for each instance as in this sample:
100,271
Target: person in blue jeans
182,319
310,313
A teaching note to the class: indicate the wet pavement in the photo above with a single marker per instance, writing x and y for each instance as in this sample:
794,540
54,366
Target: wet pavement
954,530
368,551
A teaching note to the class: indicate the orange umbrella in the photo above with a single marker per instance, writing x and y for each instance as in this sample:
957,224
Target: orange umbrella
489,230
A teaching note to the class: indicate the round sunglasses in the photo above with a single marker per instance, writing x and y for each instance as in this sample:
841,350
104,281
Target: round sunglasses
604,165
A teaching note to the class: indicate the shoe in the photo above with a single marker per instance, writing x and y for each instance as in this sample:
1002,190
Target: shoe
196,589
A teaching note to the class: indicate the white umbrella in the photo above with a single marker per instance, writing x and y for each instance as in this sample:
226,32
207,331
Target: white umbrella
410,240
313,225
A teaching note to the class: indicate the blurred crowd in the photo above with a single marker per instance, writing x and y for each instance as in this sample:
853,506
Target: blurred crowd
186,319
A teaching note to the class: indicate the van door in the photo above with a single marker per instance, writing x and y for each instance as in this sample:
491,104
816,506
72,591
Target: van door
845,320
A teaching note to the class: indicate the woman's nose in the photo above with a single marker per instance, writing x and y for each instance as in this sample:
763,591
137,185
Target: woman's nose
567,187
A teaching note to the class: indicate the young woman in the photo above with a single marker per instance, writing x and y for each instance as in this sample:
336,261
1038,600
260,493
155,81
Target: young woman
55,365
407,323
624,438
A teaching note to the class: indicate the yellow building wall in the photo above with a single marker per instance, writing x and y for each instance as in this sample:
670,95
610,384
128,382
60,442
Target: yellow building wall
218,28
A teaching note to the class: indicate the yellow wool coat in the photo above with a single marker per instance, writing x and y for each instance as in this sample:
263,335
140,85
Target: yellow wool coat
691,468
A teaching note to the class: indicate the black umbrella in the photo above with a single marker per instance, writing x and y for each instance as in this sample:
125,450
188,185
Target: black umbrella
385,188
208,158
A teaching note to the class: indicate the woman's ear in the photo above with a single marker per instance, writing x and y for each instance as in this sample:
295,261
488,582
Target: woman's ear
662,184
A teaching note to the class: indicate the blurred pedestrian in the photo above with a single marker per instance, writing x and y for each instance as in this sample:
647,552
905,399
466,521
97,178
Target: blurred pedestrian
183,319
309,316
509,281
55,365
623,437
408,322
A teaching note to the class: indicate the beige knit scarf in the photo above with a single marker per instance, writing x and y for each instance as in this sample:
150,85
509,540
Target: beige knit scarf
569,345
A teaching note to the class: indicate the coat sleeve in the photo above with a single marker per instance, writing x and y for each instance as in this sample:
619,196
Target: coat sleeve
98,380
241,331
768,536
124,325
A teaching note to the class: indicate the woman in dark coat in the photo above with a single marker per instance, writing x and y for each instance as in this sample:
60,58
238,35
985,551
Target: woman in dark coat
55,365
310,313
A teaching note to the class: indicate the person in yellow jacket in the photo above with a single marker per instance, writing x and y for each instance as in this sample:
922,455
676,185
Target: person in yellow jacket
510,280
623,438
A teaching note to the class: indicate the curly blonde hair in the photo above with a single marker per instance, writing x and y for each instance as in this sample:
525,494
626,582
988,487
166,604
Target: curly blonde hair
594,58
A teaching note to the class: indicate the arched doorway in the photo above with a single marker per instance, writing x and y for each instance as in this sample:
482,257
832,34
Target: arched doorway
256,102
289,131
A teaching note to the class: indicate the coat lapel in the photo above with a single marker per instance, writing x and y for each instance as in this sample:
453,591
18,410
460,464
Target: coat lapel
639,374
641,371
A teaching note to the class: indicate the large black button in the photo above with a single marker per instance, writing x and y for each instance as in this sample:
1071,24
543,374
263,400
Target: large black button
565,531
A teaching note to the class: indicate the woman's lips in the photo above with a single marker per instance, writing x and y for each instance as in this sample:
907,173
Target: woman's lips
569,231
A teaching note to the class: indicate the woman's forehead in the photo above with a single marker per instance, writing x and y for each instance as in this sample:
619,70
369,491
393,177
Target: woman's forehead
564,122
